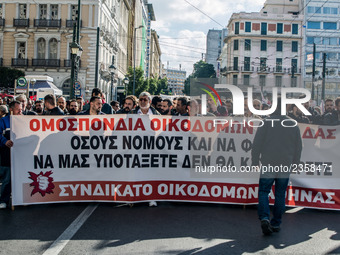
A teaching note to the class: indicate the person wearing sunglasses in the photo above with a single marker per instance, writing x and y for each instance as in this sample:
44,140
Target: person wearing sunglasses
144,105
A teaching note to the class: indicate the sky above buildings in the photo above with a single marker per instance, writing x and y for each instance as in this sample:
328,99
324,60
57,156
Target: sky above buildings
182,27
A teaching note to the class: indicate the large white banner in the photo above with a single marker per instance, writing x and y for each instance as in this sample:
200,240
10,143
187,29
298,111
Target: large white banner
131,158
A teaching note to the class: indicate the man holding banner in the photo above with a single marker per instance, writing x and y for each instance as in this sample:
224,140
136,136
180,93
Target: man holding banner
15,108
275,146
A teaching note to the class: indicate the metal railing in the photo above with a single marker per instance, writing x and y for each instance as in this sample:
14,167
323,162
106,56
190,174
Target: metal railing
67,63
46,62
47,22
69,23
21,22
23,62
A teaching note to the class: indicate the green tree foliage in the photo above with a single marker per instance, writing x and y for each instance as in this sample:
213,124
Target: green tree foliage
8,76
162,87
153,86
201,70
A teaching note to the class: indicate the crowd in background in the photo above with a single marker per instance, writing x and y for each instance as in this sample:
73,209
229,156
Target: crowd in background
327,114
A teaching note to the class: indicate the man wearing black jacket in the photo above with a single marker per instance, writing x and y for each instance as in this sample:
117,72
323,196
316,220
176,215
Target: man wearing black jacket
51,106
275,145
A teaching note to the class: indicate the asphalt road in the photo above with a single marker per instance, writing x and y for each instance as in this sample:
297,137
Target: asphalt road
170,228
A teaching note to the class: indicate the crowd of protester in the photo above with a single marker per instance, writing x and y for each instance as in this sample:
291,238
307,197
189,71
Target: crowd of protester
329,114
144,104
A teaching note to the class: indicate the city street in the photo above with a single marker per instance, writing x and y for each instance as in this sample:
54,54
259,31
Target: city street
170,228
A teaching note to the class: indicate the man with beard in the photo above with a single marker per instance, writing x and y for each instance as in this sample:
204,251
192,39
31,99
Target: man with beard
157,103
129,104
38,107
181,107
297,115
80,102
96,105
106,108
61,102
166,107
73,107
144,105
333,117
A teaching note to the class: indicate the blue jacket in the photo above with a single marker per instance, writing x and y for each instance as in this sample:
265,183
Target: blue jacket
4,137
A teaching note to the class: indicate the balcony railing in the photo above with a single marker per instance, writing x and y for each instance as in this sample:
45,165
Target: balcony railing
2,22
21,22
21,62
46,62
247,69
69,23
47,22
278,69
67,63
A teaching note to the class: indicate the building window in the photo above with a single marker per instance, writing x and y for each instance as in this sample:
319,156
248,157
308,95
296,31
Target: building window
279,28
295,29
329,25
263,45
235,44
237,28
22,11
235,79
235,63
310,40
247,44
279,65
294,65
42,11
294,46
246,63
54,11
278,81
1,11
246,79
53,49
314,9
263,28
334,10
248,27
333,41
332,56
262,80
21,50
313,25
326,10
317,40
278,45
41,48
263,64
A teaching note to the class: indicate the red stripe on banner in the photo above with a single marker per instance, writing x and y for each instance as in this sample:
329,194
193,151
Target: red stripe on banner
178,191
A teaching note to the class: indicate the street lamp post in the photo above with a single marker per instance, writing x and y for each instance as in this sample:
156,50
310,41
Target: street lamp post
76,51
134,59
